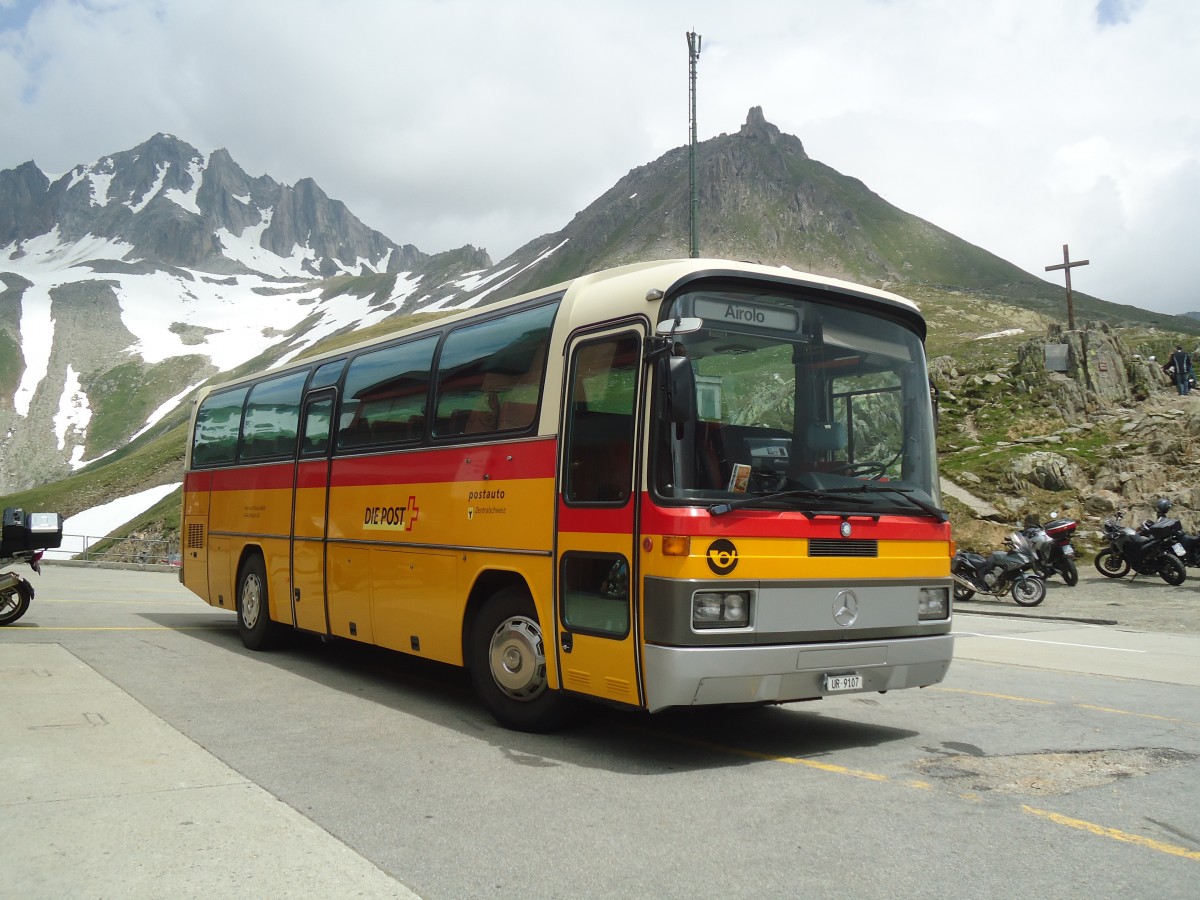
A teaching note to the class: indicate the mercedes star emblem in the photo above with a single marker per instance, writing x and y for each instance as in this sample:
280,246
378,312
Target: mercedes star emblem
845,608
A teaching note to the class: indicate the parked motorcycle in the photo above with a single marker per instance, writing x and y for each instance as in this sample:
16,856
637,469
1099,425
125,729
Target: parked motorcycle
1001,572
23,540
1172,531
1053,552
1151,553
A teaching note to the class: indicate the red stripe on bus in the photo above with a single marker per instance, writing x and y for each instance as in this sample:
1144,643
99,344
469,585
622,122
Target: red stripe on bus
491,462
274,476
593,519
312,473
698,522
194,482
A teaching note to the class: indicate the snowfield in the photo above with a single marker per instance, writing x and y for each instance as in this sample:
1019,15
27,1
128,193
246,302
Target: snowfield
84,529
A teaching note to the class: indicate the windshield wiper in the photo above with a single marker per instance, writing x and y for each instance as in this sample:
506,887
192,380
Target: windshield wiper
875,488
719,509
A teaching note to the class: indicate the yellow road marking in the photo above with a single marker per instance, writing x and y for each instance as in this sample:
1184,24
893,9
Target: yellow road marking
1088,706
1091,827
789,760
1114,834
995,696
160,599
1125,712
17,629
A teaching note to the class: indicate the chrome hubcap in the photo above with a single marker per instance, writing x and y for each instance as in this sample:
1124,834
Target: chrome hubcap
251,600
517,658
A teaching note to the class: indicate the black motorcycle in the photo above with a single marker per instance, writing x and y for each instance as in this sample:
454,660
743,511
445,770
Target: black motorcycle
1001,572
1151,553
1172,531
23,540
1053,552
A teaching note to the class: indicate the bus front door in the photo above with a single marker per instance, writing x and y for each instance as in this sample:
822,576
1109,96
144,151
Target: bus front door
309,515
596,609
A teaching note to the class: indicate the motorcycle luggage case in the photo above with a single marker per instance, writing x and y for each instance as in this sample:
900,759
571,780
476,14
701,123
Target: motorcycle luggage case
45,530
30,531
1163,528
1060,528
14,525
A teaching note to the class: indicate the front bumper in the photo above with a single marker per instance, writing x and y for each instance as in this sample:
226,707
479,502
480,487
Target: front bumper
698,676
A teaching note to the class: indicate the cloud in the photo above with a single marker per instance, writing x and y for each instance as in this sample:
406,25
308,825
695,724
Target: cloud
466,121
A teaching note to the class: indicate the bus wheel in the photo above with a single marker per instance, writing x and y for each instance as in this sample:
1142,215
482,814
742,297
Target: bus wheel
508,665
255,627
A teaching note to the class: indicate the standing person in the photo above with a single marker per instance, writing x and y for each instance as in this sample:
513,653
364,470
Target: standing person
1180,367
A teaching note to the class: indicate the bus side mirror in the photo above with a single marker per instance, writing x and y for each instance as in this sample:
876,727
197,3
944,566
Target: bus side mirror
681,390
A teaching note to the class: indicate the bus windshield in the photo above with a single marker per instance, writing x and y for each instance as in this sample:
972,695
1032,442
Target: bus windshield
815,401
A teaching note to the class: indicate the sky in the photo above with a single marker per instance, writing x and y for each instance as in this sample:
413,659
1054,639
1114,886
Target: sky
1018,125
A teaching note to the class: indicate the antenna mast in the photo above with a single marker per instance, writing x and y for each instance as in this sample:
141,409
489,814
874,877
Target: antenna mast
693,40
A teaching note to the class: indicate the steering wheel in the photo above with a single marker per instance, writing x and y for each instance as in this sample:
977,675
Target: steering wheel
869,467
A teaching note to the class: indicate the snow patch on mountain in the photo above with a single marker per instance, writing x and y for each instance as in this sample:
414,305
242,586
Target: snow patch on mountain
74,411
155,417
187,199
468,284
247,249
152,191
350,311
37,337
82,529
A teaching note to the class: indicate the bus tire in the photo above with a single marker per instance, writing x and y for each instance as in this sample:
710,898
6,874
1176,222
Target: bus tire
255,627
508,665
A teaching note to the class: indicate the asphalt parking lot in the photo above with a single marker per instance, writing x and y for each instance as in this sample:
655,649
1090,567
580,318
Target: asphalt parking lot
1139,602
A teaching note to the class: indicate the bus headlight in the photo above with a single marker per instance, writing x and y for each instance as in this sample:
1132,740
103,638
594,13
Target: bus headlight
933,603
721,609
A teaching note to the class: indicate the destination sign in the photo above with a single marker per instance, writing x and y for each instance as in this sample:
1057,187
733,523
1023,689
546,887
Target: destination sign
736,312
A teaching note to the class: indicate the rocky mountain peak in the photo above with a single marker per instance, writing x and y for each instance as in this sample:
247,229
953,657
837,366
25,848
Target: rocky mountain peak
758,128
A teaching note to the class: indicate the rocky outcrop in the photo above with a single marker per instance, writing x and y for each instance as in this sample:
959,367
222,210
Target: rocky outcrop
1113,435
1099,371
1048,471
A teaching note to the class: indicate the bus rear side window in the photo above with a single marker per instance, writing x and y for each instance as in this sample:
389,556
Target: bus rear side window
217,423
272,414
490,374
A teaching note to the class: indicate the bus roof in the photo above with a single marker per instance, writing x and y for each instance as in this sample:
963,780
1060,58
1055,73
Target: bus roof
634,282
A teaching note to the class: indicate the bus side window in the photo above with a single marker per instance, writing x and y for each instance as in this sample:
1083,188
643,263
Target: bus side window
490,374
217,423
599,457
385,395
316,428
272,414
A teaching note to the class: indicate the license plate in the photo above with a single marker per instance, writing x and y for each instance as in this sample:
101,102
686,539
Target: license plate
835,683
1178,548
1068,552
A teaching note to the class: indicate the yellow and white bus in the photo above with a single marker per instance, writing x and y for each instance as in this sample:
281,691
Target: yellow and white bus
667,484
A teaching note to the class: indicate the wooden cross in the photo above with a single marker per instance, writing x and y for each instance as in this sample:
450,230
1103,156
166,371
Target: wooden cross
1066,265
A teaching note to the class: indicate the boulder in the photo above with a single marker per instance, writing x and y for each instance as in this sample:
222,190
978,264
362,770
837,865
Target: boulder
1049,471
1103,503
